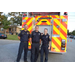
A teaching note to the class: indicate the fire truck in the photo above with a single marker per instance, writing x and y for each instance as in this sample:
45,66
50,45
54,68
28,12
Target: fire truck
56,25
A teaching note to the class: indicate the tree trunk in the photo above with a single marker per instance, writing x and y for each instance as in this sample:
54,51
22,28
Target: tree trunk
5,31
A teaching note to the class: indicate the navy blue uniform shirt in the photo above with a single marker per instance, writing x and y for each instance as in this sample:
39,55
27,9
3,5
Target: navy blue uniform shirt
45,39
36,36
24,36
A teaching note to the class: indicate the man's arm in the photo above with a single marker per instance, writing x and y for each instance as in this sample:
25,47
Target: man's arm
49,44
19,37
40,41
31,38
41,37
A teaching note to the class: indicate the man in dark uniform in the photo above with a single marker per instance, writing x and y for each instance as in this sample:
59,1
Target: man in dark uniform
35,41
45,38
23,37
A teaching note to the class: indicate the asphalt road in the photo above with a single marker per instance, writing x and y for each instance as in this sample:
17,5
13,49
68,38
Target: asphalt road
9,50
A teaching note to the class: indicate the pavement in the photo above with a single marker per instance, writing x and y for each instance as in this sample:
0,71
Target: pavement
9,51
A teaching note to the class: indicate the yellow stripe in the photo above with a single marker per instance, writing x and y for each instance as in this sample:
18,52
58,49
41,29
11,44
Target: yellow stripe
57,40
48,16
55,29
51,17
65,49
37,18
57,16
46,20
25,18
63,28
22,22
54,46
43,20
62,17
29,29
29,21
62,36
39,22
29,43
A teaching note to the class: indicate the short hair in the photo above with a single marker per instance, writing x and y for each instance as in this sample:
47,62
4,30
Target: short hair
46,29
37,26
24,25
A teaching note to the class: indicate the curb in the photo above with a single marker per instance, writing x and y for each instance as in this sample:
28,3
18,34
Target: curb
8,40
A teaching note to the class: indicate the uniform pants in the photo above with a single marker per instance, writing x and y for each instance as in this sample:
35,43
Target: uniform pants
44,48
23,45
34,52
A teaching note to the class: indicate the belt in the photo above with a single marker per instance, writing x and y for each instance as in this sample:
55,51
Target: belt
44,44
24,41
35,42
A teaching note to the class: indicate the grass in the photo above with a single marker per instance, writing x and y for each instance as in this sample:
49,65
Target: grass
12,37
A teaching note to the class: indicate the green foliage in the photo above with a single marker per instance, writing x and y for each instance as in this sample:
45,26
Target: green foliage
17,18
68,32
12,37
5,23
72,33
1,18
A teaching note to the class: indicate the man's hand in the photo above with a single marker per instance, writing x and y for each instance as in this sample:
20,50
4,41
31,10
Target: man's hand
31,40
18,37
49,44
49,47
40,41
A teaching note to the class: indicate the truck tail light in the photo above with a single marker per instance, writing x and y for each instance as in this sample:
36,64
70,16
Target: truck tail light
63,44
2,35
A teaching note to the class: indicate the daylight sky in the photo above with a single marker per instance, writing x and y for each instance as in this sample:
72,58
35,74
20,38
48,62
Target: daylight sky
71,20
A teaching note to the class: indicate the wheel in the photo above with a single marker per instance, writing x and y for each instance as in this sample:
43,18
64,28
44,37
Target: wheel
4,38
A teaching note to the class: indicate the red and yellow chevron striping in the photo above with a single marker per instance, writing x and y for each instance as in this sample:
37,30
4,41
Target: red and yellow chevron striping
55,27
43,20
61,31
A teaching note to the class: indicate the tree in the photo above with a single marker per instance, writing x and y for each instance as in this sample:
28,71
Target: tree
18,20
73,32
16,17
14,14
12,20
1,18
5,23
67,32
